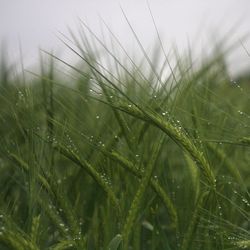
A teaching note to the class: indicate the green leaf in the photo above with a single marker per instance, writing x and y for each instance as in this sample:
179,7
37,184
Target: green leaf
115,242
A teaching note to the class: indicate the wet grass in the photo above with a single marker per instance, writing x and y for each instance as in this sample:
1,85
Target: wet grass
120,156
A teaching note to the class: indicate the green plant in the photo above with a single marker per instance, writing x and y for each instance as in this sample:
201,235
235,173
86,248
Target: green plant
120,157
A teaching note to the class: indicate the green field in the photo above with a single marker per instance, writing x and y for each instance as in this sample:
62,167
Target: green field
117,155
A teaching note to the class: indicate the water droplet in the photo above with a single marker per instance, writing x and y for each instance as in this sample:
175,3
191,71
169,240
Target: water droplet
97,117
245,200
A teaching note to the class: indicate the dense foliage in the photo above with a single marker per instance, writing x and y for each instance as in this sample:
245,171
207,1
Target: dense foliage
124,158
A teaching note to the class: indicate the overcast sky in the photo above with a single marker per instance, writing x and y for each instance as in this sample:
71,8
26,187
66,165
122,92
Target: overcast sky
36,22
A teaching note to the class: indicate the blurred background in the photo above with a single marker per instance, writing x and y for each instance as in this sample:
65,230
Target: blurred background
194,24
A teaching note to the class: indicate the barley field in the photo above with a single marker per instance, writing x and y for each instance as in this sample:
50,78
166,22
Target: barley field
117,153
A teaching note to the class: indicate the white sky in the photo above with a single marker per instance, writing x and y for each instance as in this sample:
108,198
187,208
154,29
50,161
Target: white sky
36,22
